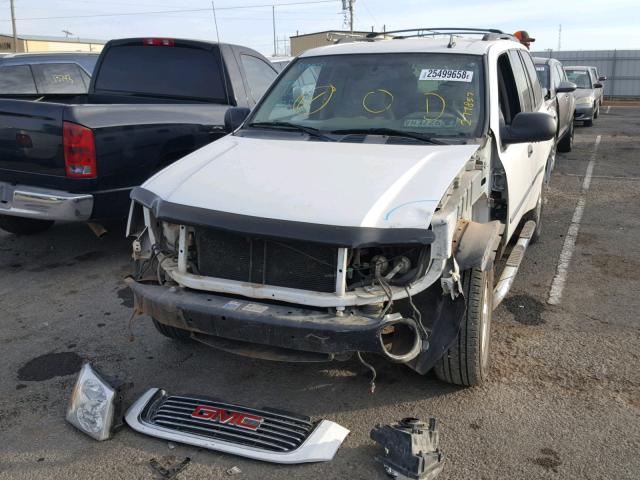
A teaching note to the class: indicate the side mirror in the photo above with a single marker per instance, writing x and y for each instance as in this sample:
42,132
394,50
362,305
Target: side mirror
234,117
529,127
602,78
566,87
597,85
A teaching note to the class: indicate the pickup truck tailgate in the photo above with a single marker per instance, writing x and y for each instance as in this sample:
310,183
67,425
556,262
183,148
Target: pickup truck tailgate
31,137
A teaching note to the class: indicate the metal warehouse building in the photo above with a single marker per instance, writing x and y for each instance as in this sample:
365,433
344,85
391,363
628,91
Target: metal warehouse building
37,43
621,67
300,43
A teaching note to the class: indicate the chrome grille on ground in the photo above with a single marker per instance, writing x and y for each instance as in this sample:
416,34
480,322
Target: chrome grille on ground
280,263
262,429
262,434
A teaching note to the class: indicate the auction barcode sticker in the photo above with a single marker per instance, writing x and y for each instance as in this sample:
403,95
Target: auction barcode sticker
446,74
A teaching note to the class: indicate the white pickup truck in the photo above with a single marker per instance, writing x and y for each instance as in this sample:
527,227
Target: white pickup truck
358,209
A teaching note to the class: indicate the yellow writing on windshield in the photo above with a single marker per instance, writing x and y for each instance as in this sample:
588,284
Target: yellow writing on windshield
58,78
434,106
318,93
467,113
385,97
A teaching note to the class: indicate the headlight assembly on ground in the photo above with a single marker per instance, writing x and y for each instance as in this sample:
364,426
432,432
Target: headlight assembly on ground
94,404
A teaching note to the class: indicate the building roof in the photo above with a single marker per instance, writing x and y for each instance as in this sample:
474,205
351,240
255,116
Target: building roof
47,38
347,32
409,45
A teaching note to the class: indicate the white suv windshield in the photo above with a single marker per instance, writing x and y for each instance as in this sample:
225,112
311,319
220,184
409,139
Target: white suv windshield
436,95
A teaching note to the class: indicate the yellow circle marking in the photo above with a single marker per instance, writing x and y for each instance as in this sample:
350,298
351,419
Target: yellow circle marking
386,92
327,90
443,102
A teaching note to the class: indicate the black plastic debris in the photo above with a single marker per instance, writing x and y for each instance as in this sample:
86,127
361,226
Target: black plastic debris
171,471
410,449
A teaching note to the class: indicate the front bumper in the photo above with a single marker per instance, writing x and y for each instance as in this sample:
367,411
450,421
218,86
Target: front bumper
583,112
44,204
286,329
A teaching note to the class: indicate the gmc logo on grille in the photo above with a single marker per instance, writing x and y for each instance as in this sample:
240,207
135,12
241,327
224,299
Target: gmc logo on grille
227,417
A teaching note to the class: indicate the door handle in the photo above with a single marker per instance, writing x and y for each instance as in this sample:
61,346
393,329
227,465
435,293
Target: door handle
530,150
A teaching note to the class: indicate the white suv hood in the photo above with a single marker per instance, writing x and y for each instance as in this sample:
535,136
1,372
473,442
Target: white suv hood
330,183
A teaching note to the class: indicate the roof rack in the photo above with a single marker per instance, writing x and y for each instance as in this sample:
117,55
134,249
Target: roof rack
487,33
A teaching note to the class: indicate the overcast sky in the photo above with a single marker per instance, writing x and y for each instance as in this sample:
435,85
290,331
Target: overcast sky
586,24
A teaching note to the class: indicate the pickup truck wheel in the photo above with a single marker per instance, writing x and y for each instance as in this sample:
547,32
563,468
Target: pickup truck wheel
23,226
467,360
566,143
172,332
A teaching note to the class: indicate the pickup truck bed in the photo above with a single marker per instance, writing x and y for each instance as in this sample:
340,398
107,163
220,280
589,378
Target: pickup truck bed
150,102
131,143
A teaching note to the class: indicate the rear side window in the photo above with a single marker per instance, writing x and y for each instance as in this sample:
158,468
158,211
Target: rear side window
259,75
543,75
162,71
17,80
61,78
536,90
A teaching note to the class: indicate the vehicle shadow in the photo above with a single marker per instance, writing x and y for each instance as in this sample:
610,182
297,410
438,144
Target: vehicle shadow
62,245
315,389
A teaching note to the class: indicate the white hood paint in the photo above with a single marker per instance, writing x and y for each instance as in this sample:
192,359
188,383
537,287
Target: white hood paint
346,184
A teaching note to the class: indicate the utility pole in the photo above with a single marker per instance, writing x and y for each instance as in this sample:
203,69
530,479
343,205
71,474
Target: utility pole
273,16
348,5
559,37
13,25
350,15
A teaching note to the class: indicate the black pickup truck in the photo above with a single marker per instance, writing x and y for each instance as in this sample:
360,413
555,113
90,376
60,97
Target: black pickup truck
150,102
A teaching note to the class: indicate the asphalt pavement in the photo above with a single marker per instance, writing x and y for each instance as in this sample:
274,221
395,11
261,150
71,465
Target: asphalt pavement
562,401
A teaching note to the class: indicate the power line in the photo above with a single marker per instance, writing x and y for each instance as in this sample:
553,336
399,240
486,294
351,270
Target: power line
190,10
375,20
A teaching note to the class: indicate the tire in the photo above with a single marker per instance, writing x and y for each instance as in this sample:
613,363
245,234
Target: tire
565,144
172,332
466,362
596,111
23,226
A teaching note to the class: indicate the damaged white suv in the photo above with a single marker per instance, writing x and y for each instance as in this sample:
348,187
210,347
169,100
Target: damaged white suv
358,209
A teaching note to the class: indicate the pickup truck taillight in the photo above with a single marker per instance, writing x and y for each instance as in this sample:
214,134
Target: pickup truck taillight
79,151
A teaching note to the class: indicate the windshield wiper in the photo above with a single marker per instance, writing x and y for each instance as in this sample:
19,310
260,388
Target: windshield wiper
313,132
392,132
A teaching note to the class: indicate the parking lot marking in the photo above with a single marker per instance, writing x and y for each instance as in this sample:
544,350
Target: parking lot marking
608,108
607,177
557,286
